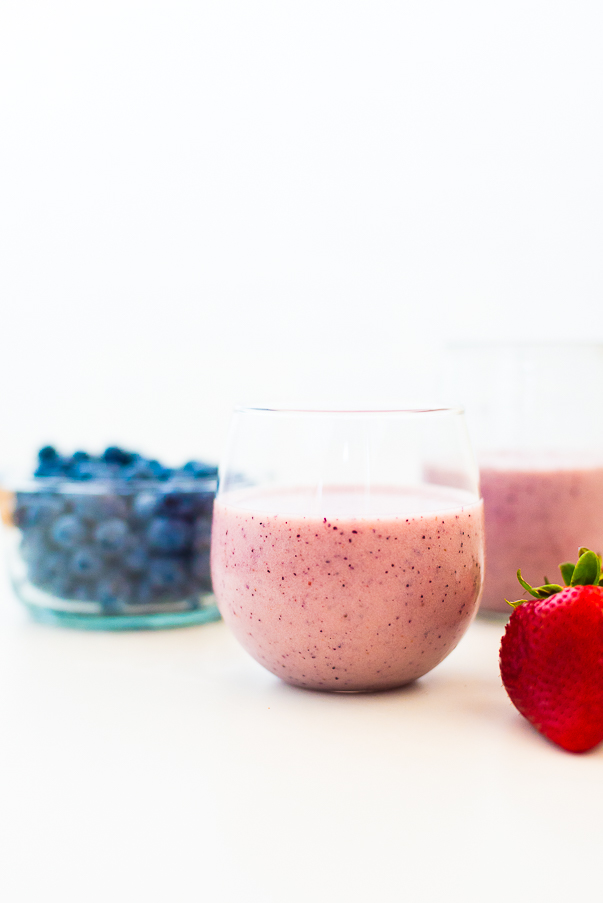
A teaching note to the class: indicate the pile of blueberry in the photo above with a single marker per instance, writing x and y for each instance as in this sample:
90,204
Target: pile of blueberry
117,529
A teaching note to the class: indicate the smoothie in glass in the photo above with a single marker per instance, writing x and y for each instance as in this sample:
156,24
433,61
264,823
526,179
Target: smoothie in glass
539,510
348,601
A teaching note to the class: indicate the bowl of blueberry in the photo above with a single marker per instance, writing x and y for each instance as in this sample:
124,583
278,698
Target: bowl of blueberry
112,541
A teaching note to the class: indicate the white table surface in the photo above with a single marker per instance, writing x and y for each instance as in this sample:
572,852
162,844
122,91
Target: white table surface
170,766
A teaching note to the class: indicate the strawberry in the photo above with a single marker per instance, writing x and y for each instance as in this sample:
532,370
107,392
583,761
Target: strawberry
551,655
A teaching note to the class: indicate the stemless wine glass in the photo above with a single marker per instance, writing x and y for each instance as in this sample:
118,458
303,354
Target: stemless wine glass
347,546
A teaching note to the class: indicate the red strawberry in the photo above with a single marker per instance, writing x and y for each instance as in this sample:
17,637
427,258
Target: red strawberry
551,655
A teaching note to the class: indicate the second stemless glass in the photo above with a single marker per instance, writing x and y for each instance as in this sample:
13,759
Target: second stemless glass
533,412
347,546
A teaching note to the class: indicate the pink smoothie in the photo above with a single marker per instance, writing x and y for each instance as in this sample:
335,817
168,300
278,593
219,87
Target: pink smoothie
538,514
348,602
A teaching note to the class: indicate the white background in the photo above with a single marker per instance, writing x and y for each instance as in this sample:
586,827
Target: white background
209,202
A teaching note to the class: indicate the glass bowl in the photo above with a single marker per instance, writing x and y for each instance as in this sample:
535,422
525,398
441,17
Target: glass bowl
112,554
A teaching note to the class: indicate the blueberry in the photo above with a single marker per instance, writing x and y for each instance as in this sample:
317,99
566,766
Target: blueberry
139,470
48,453
166,581
50,463
200,565
136,560
80,456
111,535
67,531
159,471
32,509
85,563
98,507
113,592
88,470
144,504
33,545
166,574
48,470
204,504
175,504
200,470
169,535
49,571
47,507
201,534
178,503
115,455
146,592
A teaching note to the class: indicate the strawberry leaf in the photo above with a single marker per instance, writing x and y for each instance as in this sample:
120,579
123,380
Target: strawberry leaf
515,604
588,569
539,592
529,589
549,589
567,572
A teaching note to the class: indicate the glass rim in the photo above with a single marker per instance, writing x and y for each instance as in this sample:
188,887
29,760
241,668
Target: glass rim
271,409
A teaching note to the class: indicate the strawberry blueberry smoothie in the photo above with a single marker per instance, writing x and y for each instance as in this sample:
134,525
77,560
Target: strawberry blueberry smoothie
538,513
344,601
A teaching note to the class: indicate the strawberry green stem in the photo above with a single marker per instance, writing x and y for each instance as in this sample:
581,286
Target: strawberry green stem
586,572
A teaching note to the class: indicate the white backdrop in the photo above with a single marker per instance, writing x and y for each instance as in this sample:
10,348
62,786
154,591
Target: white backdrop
208,202
218,200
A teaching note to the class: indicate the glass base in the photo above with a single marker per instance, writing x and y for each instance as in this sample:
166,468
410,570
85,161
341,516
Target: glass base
49,609
151,621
